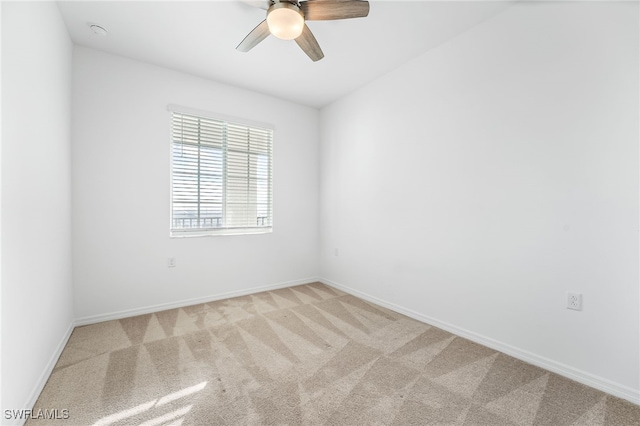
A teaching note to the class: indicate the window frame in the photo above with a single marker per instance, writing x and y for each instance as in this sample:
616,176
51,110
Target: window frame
206,232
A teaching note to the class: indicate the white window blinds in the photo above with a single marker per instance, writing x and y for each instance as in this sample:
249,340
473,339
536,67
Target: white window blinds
221,179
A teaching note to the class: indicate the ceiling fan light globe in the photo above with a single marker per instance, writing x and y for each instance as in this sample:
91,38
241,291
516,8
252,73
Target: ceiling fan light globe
285,21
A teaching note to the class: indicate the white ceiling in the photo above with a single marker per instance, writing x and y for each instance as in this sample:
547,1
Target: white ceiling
199,38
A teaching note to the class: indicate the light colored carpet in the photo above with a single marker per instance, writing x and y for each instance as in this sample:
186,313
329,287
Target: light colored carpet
305,355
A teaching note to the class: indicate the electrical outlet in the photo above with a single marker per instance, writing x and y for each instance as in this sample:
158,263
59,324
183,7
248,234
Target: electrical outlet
171,262
574,301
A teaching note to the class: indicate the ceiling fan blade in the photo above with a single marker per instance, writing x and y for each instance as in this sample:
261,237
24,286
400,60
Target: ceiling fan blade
325,10
258,34
309,44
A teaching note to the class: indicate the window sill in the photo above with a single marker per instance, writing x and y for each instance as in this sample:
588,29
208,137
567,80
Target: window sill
218,232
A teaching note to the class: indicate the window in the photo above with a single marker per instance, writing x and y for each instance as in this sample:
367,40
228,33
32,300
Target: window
221,180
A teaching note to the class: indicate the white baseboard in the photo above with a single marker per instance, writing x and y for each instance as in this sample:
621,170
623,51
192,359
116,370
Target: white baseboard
93,319
580,376
44,376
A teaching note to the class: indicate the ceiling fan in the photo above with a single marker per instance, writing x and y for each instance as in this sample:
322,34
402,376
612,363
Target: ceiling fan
286,20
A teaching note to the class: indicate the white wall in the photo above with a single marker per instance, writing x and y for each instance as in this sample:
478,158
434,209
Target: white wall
37,306
476,184
120,153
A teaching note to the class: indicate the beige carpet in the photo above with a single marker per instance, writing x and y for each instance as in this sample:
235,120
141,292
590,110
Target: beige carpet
305,355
